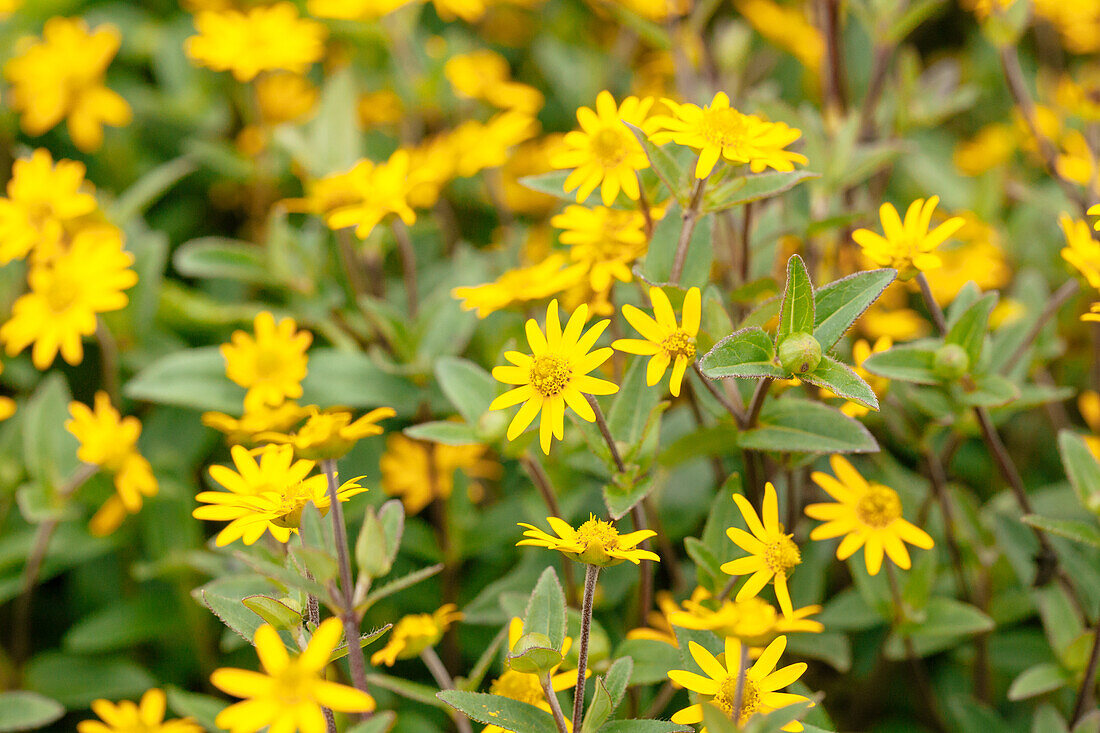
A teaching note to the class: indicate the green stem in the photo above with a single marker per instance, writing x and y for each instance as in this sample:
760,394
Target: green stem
552,701
443,678
691,217
601,423
591,573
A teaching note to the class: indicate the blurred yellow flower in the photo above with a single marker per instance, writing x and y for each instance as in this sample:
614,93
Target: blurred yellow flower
270,363
485,75
606,241
1081,250
659,626
66,294
383,107
752,621
907,247
761,683
353,9
1077,21
1076,161
720,131
469,10
890,316
61,78
7,7
376,191
284,96
867,514
990,148
145,717
1088,402
595,542
527,687
261,419
529,158
420,472
658,10
1093,314
290,691
549,277
478,146
772,552
44,200
604,153
664,341
265,495
330,433
109,441
555,375
977,257
414,633
787,27
263,39
1080,94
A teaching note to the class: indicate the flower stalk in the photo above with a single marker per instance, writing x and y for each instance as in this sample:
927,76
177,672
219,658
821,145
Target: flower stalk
552,701
591,573
691,218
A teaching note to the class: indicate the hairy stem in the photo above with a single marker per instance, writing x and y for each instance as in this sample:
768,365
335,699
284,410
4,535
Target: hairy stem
739,691
601,423
443,678
591,573
534,469
691,217
552,701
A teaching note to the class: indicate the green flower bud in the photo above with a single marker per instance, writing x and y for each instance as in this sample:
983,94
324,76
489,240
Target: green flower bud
534,653
951,362
799,353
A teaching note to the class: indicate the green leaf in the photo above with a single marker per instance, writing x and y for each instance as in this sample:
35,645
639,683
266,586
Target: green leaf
353,379
645,726
446,432
599,708
795,425
231,612
664,165
1039,680
620,498
74,681
651,659
796,314
147,189
500,711
365,640
942,624
272,611
634,401
1087,533
970,328
745,189
657,267
904,363
842,381
989,390
392,518
1048,720
469,387
203,708
49,449
123,624
219,257
832,648
617,679
405,688
553,184
22,710
840,303
1082,468
379,722
193,378
546,609
746,353
399,584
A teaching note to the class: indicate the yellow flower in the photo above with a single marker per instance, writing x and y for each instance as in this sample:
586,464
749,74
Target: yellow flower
1093,314
271,364
554,375
285,97
665,342
330,433
526,687
907,247
787,27
266,495
383,107
979,257
861,349
773,553
1082,251
61,77
415,633
604,152
476,146
867,514
1081,95
660,626
528,159
658,10
109,441
761,683
290,692
606,241
376,190
1076,162
66,294
595,542
1089,405
146,717
265,39
43,201
261,419
353,9
720,131
753,620
7,7
990,148
549,277
484,75
469,10
420,472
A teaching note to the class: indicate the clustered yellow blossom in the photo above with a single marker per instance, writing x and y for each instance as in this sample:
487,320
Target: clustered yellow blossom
773,555
420,472
147,716
665,342
549,277
290,692
595,542
61,77
787,27
978,256
331,433
484,75
753,621
414,633
606,241
109,441
374,191
907,246
270,363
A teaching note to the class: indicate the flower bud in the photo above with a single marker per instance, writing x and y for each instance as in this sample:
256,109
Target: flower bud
534,653
951,362
799,353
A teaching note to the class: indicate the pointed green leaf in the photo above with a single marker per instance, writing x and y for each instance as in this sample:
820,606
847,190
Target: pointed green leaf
203,708
969,330
22,710
380,721
746,189
840,303
599,709
627,490
553,184
749,352
446,432
944,624
796,314
469,387
546,609
795,425
1039,680
365,640
990,390
664,165
272,611
1082,468
905,364
228,259
504,712
1087,533
842,381
645,726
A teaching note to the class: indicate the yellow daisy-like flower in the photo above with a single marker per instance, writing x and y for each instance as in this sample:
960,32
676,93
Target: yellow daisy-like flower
285,97
290,691
549,277
665,342
415,633
353,9
1082,251
1094,210
263,419
66,294
266,495
382,107
270,363
375,191
420,472
267,38
907,247
476,147
43,201
754,621
145,717
762,682
867,514
1093,314
990,148
61,78
554,375
606,241
787,27
604,152
773,553
978,256
526,687
659,624
330,433
1089,405
720,131
595,542
485,75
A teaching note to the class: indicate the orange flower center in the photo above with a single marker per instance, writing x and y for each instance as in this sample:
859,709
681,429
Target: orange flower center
550,375
879,507
782,554
609,146
679,344
726,699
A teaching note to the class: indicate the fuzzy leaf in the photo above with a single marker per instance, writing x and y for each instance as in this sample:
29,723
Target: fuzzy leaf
840,303
546,609
22,710
969,330
793,425
746,189
1082,468
842,381
500,711
905,364
796,314
746,353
